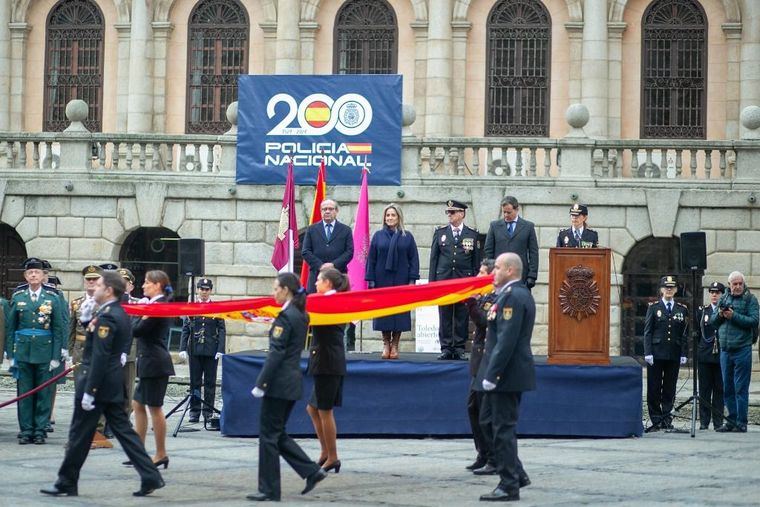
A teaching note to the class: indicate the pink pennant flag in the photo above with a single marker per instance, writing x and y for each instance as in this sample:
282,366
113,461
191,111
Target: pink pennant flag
287,233
358,264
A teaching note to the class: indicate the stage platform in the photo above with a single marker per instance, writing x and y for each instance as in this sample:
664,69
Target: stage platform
417,395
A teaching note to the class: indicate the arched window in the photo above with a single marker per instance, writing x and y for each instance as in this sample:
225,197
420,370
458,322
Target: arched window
366,38
217,53
517,72
674,70
12,256
73,63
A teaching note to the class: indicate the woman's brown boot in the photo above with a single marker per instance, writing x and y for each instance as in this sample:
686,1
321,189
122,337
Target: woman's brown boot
394,345
386,345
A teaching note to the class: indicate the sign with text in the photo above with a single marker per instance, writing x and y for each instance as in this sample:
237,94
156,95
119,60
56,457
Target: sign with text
426,327
351,121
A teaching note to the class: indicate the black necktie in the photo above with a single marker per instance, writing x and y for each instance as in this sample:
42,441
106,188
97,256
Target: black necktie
669,306
329,232
577,236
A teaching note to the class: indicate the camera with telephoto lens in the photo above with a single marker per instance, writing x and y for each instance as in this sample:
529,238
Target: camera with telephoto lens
724,305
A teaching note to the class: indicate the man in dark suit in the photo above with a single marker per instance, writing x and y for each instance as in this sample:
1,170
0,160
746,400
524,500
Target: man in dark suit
666,328
708,364
327,243
100,390
455,253
203,343
517,235
578,235
506,371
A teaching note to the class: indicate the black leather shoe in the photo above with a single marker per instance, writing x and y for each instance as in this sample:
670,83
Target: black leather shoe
445,356
25,440
478,463
488,469
193,419
524,481
726,428
261,497
499,495
147,488
56,490
107,432
49,428
313,479
740,429
39,440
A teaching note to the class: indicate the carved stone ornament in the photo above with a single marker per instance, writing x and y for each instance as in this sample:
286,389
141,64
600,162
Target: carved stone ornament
579,294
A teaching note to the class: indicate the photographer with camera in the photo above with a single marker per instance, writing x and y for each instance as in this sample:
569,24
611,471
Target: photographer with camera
736,320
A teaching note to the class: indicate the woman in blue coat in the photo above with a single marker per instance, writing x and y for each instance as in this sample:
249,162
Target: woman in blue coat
393,260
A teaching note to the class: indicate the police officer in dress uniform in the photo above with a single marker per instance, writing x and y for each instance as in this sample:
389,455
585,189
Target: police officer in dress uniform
130,352
578,235
455,253
665,348
708,364
35,330
83,304
203,340
100,391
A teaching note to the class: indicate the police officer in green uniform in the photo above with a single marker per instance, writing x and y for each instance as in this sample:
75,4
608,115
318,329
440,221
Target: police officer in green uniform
203,340
35,328
455,253
666,345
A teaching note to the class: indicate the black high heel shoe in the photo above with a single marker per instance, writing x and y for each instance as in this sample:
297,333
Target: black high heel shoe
322,461
163,461
335,465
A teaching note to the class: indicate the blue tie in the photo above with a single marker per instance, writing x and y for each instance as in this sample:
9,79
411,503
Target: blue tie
510,228
670,307
577,236
328,232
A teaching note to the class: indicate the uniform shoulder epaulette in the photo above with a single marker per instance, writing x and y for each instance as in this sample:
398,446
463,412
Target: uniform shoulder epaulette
682,305
439,227
590,229
50,290
652,303
471,228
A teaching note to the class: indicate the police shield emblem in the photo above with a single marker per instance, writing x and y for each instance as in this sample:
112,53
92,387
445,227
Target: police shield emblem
506,314
277,331
103,331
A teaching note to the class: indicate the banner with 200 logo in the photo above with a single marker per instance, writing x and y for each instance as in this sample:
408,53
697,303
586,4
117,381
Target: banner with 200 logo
351,121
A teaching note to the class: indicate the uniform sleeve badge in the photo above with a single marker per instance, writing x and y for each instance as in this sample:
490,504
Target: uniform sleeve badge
277,331
103,331
659,313
506,314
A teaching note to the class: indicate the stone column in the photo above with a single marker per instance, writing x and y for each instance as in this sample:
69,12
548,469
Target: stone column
161,32
575,35
750,56
594,85
19,32
270,45
5,66
459,29
122,76
420,73
288,37
140,100
438,103
733,33
615,75
308,34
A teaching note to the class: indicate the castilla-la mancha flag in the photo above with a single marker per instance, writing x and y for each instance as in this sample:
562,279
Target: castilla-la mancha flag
358,265
287,233
320,192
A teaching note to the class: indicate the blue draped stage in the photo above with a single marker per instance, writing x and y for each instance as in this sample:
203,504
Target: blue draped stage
418,395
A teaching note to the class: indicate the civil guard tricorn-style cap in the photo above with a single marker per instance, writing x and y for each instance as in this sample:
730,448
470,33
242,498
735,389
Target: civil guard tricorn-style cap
204,283
126,274
716,287
579,209
91,272
452,205
668,281
54,280
33,263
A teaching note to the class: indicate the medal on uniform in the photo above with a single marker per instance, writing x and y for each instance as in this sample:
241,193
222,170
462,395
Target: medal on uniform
103,331
277,331
659,313
468,244
443,239
492,313
506,314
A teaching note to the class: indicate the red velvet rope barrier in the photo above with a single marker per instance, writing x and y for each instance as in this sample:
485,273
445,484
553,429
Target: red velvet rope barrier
39,387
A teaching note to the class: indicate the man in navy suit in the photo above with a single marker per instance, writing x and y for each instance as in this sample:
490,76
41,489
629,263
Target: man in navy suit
517,235
327,243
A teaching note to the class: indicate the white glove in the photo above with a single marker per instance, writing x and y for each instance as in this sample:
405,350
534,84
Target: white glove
88,402
12,363
183,356
143,301
649,360
683,361
85,311
257,393
123,359
217,356
65,355
54,364
488,386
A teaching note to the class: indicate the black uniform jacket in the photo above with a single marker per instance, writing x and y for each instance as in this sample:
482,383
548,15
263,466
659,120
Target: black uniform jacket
508,359
666,336
450,259
107,335
708,339
589,238
327,355
153,359
317,250
478,309
203,336
281,375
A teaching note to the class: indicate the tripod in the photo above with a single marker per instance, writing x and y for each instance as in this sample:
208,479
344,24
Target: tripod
694,399
186,401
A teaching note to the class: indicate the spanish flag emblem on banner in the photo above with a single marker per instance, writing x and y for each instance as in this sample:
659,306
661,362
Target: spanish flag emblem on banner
337,308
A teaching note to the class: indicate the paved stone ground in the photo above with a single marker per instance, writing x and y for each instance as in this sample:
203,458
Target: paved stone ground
205,468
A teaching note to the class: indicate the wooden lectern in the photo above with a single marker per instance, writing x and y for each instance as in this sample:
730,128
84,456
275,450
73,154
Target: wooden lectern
579,306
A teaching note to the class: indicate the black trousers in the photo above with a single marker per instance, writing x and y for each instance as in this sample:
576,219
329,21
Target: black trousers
482,445
82,429
498,419
710,394
661,389
275,442
453,321
202,372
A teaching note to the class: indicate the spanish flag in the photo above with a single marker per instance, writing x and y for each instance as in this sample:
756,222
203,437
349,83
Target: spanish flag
338,308
316,213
